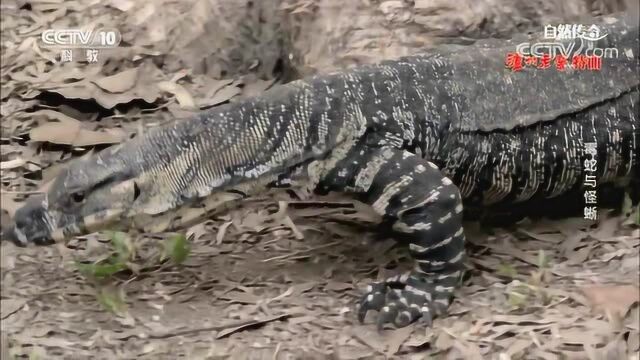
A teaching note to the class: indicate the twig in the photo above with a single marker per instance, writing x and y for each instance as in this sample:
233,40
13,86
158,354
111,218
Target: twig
233,327
298,252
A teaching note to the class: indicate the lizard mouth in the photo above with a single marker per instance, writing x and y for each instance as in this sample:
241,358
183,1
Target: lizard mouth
36,223
32,223
17,236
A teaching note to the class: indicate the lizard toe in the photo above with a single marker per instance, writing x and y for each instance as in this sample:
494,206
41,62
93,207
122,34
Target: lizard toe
387,315
407,316
374,299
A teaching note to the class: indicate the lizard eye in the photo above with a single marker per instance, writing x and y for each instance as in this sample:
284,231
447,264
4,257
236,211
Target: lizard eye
77,197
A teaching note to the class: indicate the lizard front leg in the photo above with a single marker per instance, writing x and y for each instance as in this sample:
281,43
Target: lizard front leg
424,209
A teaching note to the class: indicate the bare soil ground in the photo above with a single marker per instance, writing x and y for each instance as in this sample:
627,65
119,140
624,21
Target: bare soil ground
265,281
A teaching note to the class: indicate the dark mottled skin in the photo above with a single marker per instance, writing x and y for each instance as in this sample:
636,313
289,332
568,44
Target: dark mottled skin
414,138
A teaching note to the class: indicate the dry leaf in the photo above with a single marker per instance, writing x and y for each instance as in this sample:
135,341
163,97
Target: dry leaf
119,82
518,346
50,341
214,85
370,338
614,299
256,87
469,350
633,342
65,134
122,5
56,115
144,87
337,286
302,319
606,229
241,297
8,203
221,232
299,289
444,341
182,95
396,338
221,96
552,238
579,256
616,349
9,307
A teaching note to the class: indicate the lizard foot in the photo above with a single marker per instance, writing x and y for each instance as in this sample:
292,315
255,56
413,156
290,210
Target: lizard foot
404,300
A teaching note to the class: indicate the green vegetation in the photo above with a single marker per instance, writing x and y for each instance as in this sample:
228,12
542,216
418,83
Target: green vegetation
123,258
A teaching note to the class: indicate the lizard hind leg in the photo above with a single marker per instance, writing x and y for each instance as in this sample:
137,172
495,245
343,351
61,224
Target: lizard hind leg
425,210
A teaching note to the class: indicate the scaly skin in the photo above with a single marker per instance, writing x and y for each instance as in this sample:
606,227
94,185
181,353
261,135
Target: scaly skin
414,138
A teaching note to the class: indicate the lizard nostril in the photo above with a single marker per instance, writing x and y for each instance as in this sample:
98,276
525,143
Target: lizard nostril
42,240
136,191
77,197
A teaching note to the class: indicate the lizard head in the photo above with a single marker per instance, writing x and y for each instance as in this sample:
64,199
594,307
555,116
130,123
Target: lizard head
85,197
137,182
